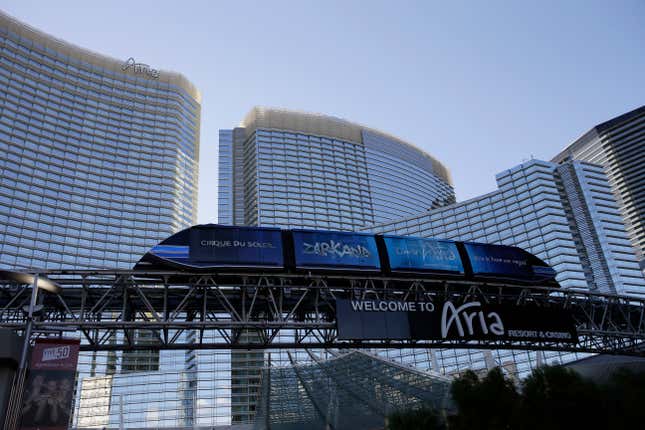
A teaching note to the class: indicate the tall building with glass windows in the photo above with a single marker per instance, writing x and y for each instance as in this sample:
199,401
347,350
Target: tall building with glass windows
98,156
565,214
619,146
98,162
301,170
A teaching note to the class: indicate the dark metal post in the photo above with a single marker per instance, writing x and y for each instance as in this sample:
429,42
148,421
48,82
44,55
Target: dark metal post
15,402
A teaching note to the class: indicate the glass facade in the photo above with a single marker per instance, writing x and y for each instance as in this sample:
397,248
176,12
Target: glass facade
178,395
354,390
298,170
403,180
603,243
618,145
306,181
565,214
98,163
225,180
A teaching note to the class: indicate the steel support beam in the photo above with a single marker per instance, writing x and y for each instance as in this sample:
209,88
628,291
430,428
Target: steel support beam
287,310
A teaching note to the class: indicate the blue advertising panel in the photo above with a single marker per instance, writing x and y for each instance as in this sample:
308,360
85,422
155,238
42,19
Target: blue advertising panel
416,254
321,249
498,260
235,246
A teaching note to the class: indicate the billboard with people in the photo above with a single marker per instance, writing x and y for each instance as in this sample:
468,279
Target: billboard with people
49,389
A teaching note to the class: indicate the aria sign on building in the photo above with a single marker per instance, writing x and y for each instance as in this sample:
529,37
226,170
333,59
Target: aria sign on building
140,68
447,320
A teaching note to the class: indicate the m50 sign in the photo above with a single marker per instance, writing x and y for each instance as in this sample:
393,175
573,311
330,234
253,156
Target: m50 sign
447,320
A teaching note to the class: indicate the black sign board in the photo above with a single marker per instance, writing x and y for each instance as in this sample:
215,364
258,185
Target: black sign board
473,320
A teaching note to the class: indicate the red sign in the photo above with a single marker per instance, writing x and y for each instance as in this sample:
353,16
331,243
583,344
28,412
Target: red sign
49,390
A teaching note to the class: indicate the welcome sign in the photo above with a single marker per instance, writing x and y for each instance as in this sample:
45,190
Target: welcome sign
447,320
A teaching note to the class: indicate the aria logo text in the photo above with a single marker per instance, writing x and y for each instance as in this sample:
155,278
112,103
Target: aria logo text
469,317
140,68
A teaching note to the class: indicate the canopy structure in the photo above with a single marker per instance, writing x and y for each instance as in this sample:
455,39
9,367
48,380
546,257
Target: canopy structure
353,390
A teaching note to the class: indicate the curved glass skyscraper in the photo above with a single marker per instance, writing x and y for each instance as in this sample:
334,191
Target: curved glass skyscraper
99,156
301,170
98,162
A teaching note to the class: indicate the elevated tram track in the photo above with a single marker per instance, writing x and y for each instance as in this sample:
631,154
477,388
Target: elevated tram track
179,310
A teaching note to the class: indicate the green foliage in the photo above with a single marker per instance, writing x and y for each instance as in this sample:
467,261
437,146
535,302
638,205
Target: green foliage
559,398
551,398
418,419
489,403
625,394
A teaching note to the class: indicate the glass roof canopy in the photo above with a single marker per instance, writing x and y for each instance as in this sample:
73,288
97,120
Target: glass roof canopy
350,391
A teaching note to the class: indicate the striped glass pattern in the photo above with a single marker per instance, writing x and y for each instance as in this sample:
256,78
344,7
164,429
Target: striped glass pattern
97,166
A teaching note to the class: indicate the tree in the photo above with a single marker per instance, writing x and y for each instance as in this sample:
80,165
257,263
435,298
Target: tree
489,403
558,398
551,398
424,418
624,393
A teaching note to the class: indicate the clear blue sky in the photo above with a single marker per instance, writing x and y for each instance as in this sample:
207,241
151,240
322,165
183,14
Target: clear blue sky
481,85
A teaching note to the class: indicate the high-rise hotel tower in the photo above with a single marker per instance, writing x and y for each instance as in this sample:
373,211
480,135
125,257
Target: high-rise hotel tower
98,156
293,169
619,146
98,162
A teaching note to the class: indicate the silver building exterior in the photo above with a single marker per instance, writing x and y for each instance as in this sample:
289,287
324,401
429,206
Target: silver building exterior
98,162
99,156
619,146
300,170
565,214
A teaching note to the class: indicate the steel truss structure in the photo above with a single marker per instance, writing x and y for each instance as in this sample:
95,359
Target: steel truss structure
177,310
